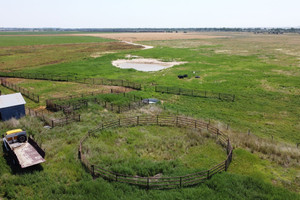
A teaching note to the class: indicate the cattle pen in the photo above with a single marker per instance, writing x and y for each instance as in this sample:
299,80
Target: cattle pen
159,182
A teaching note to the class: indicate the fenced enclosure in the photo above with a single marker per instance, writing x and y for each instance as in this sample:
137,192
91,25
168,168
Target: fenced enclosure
80,101
195,93
26,93
158,182
44,116
73,78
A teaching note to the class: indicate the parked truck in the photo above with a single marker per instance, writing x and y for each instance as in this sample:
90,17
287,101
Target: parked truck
21,149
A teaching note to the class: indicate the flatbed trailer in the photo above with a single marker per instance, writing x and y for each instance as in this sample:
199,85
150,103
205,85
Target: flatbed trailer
26,153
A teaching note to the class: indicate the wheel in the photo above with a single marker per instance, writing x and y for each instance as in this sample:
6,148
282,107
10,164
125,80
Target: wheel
22,138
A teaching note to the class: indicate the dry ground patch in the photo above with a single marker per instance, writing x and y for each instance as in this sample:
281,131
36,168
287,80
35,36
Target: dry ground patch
275,49
133,37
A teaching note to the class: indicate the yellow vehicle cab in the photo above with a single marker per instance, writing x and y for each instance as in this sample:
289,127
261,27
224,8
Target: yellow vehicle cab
16,135
13,131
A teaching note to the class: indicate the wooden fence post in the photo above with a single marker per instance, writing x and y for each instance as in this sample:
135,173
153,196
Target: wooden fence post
79,154
228,144
93,170
148,183
208,177
137,120
157,119
180,181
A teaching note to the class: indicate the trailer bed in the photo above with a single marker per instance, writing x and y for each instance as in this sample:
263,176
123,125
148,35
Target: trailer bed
27,155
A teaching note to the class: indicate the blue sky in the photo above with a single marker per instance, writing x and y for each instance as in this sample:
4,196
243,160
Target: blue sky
149,13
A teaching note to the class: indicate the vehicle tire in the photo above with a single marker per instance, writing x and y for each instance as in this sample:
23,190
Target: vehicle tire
22,138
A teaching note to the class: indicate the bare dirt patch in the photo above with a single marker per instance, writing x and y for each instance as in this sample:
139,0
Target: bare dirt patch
142,64
134,37
99,54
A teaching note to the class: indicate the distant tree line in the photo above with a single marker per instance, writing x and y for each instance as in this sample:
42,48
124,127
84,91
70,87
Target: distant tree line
168,30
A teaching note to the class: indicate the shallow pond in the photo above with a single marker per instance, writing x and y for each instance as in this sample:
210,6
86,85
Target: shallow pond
145,65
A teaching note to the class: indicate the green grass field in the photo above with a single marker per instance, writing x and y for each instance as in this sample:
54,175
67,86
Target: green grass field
38,32
267,102
44,40
264,79
150,150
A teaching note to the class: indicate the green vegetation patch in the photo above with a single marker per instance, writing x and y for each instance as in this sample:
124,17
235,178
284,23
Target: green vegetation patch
152,150
40,40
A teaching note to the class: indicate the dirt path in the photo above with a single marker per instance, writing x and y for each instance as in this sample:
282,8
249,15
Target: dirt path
145,46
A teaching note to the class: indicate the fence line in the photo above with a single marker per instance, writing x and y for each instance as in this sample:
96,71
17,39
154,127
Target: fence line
73,78
52,121
195,93
53,105
26,93
89,94
159,182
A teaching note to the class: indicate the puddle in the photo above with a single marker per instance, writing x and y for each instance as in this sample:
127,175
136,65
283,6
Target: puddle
145,65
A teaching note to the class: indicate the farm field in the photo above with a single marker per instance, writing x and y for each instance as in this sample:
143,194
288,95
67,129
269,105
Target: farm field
262,71
30,56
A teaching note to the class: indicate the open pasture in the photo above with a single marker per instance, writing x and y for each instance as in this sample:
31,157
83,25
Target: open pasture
262,71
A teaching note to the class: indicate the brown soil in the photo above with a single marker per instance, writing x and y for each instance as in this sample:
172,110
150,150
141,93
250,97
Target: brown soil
132,37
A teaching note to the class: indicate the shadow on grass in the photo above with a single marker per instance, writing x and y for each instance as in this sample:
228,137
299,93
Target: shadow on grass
11,161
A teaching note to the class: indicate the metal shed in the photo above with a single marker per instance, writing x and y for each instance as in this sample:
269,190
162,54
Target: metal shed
12,106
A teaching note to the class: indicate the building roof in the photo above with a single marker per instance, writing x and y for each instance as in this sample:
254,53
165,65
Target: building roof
11,100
